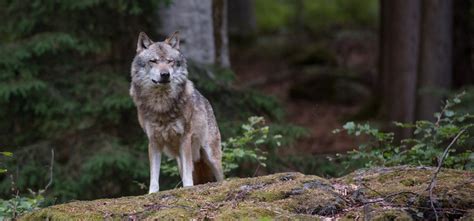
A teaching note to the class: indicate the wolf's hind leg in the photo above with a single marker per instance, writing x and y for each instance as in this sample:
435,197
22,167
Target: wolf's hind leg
202,171
213,157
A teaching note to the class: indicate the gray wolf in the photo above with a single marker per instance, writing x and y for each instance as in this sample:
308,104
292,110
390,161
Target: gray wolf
176,118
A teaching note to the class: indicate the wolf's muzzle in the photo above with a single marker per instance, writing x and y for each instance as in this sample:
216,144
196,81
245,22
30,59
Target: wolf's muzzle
164,77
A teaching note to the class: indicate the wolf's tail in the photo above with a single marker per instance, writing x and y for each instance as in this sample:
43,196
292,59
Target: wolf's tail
202,172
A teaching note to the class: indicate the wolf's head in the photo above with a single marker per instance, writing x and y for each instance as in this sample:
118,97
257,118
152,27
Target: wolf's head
158,64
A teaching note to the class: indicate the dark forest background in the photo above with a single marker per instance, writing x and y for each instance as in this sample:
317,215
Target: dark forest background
306,66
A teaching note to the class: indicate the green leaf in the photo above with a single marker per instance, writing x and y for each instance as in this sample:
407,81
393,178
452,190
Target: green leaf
349,126
449,113
7,154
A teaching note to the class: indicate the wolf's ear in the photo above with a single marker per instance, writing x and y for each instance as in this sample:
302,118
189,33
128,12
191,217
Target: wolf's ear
173,40
143,42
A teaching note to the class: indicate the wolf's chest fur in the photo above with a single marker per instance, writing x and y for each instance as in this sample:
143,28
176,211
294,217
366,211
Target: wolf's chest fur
167,136
164,118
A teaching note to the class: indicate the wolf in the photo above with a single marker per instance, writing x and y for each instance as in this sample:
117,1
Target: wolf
175,117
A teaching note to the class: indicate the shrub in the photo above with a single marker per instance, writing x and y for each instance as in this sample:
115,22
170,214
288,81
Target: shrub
428,142
16,206
245,147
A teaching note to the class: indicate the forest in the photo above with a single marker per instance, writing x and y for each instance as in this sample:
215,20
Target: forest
327,109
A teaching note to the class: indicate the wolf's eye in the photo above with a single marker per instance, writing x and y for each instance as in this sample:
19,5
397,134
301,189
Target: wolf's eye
169,61
154,61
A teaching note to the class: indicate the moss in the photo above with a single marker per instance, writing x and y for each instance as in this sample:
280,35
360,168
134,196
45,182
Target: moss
55,214
245,212
178,213
377,214
391,214
469,216
396,191
409,182
451,185
268,196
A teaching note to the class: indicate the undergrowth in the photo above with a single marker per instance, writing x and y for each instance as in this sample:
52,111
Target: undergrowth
424,148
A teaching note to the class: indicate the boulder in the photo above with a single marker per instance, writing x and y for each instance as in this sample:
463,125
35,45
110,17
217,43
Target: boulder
396,193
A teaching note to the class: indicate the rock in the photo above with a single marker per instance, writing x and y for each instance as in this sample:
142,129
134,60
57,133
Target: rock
397,193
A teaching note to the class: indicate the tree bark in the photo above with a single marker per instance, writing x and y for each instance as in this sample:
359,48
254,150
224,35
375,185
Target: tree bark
463,54
384,58
436,67
221,40
203,29
241,17
400,61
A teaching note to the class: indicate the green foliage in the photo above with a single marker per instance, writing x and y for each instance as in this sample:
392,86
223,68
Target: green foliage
16,206
64,68
243,148
315,15
273,15
64,80
5,154
336,13
248,146
427,145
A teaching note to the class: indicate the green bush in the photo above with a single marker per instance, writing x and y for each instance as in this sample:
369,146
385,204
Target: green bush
64,80
16,206
324,14
245,147
428,143
315,15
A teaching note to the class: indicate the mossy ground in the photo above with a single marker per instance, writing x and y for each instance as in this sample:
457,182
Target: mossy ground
397,193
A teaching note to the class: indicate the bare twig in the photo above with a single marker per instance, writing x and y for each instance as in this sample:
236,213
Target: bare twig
176,186
16,194
256,170
435,174
51,166
438,118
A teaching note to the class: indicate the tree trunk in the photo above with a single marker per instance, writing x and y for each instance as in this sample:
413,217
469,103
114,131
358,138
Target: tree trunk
384,58
241,17
435,56
221,40
463,54
400,61
203,29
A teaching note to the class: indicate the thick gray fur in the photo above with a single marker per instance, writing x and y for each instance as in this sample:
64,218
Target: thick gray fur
176,118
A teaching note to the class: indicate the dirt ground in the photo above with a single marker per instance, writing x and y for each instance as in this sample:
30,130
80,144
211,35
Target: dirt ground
274,77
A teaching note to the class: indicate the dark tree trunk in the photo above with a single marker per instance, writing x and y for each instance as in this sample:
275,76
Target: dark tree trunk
463,54
241,17
384,58
436,67
221,41
400,60
203,29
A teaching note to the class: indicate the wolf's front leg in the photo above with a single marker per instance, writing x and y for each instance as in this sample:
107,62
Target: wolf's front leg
186,160
154,154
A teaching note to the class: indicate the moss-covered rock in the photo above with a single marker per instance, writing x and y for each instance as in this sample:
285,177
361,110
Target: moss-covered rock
397,193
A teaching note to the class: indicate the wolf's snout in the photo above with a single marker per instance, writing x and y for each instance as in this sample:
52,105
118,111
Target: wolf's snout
165,75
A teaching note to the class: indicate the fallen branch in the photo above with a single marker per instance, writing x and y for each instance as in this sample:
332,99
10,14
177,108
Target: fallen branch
435,174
